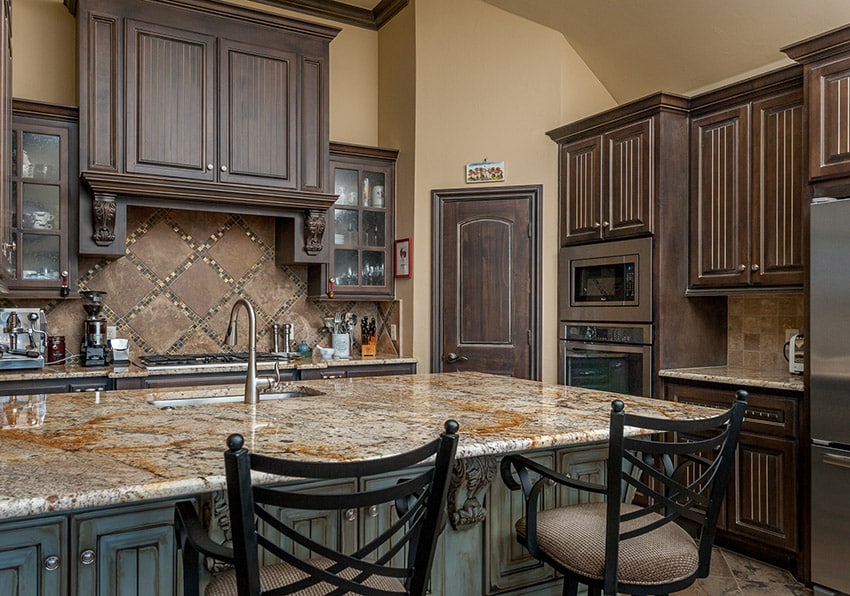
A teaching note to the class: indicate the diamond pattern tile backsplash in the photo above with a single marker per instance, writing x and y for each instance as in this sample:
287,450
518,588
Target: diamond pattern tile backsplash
173,291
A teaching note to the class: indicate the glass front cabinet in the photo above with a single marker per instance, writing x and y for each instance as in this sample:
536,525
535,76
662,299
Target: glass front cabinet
361,223
44,141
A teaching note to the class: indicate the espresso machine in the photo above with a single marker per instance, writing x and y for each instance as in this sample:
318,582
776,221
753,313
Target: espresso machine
95,349
23,338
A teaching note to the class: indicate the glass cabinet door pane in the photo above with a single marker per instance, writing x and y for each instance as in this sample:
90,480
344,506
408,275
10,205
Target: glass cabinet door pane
374,187
40,156
345,267
346,229
41,206
373,228
346,186
39,256
373,268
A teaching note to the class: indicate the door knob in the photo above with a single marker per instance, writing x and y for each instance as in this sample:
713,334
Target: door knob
451,358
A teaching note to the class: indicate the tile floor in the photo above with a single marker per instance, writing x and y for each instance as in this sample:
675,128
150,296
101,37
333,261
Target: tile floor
734,574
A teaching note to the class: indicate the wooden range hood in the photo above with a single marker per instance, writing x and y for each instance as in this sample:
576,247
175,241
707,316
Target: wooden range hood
206,106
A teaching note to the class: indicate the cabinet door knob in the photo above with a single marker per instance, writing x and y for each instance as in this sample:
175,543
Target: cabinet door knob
210,166
606,224
223,168
596,225
742,267
51,563
87,557
755,267
350,514
373,511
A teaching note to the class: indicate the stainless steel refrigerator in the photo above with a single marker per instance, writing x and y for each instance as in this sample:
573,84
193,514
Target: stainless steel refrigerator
828,342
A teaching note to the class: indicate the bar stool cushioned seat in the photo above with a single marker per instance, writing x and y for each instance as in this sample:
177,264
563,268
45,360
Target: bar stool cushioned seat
272,576
575,537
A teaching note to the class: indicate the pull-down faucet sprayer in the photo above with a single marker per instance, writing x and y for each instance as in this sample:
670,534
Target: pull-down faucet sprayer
252,382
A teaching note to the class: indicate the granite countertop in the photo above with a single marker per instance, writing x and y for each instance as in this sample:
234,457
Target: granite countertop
54,371
111,447
731,375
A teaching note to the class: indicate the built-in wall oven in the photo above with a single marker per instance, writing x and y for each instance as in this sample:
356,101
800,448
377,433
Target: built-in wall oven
605,316
606,357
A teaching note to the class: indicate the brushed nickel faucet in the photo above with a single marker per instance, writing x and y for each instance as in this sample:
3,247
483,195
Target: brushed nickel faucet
252,381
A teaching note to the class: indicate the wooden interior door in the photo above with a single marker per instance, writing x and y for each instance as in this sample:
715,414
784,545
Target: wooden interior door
486,282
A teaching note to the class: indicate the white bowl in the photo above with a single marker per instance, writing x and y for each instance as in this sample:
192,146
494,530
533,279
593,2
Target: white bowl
327,353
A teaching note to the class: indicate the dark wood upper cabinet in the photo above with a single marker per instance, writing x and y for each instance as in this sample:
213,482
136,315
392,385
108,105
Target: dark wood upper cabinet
826,62
581,190
606,183
720,197
170,97
747,184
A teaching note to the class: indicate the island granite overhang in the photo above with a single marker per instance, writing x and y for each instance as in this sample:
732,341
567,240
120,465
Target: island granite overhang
113,447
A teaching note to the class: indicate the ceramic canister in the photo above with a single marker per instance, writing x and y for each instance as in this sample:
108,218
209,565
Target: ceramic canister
377,196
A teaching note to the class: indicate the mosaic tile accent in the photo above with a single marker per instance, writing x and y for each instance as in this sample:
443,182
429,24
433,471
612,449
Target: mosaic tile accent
173,290
756,329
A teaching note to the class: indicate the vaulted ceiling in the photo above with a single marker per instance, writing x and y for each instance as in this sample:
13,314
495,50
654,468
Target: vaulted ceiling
637,47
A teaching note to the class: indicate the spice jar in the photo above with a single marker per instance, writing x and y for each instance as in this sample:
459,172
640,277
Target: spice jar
55,349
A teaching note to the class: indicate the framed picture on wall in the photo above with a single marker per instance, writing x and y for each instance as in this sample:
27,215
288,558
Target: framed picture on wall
403,258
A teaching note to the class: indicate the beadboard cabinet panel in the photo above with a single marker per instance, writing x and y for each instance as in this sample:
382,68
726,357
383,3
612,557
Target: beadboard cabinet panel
719,207
628,181
778,184
748,185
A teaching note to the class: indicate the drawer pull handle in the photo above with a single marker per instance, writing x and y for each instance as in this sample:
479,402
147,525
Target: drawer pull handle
836,460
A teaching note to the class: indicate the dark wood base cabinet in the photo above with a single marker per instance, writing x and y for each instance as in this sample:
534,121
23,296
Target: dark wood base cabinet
761,517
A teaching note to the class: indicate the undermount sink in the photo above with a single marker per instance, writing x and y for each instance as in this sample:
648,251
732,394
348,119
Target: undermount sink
205,400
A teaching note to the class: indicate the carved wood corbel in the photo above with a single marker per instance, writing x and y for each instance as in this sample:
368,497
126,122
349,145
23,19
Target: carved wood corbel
470,478
103,218
314,230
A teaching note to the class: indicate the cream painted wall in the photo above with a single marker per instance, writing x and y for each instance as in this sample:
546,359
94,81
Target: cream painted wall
44,65
44,42
397,128
489,85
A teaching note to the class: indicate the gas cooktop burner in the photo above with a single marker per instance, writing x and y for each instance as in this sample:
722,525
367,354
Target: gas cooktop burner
222,359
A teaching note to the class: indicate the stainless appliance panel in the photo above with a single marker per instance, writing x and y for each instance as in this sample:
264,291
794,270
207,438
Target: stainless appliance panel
622,284
828,338
828,344
830,517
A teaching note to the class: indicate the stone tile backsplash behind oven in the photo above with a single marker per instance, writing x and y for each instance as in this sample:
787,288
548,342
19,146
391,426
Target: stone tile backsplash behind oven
756,329
173,290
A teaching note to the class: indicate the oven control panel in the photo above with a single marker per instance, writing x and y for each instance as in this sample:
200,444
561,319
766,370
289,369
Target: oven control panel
615,334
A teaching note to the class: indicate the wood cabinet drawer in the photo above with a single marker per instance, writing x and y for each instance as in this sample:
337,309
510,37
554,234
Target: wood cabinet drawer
767,413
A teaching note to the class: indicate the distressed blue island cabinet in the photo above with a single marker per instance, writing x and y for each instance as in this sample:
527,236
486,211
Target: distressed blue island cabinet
88,493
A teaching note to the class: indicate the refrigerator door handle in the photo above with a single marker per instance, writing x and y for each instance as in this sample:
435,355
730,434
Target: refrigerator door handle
836,460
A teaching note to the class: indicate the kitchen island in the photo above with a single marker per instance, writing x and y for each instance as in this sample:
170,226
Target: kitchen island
114,454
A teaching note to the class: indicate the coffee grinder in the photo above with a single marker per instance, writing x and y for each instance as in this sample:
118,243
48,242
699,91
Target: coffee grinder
94,350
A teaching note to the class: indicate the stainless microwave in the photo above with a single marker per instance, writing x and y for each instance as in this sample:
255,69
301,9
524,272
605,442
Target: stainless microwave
606,281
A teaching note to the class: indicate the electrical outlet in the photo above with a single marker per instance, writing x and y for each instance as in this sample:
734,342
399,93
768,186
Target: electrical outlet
394,332
111,332
790,332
